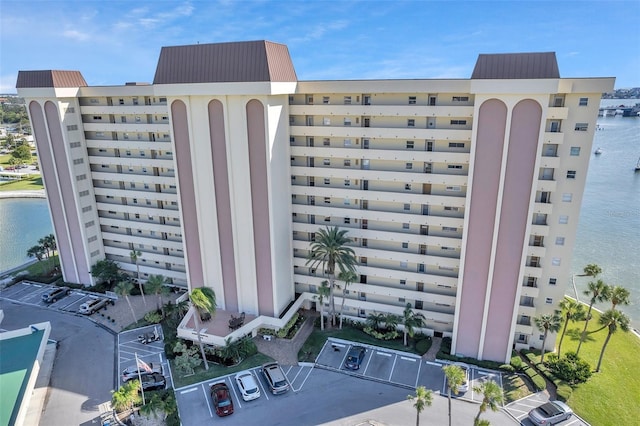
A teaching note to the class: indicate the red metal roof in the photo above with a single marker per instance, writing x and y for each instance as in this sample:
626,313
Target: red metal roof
49,78
516,66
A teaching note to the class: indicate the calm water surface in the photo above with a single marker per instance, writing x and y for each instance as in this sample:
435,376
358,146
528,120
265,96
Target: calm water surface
608,231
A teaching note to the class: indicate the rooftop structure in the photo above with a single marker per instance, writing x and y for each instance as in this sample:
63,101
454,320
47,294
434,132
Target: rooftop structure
461,196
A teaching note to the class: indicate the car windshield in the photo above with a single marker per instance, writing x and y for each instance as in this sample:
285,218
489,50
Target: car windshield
549,409
251,390
224,403
352,358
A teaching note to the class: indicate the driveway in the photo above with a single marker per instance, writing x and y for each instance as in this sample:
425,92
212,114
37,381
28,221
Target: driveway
152,353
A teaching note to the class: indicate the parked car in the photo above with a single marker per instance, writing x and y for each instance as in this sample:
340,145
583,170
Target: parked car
274,376
354,358
464,387
94,304
153,381
550,413
131,372
247,385
54,294
221,398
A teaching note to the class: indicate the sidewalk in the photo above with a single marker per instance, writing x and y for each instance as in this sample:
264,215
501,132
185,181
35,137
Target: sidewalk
119,316
285,351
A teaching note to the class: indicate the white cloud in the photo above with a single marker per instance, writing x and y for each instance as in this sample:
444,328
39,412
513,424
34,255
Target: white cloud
75,35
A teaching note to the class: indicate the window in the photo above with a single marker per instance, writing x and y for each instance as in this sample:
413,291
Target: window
555,261
583,102
81,177
575,151
135,201
89,224
95,253
460,99
407,206
347,142
456,144
563,220
92,239
405,245
411,122
325,99
403,282
347,100
566,197
74,144
326,142
326,161
404,264
347,121
559,241
86,209
412,100
451,209
571,174
162,100
405,226
72,127
347,202
408,166
310,100
126,135
121,101
459,122
347,163
553,281
449,229
407,187
581,127
71,109
94,101
97,117
326,219
292,119
326,121
548,301
409,144
327,200
347,220
455,166
78,161
455,188
347,182
327,181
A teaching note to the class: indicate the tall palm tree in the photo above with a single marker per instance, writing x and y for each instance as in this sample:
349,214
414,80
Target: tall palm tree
50,241
410,321
375,319
126,397
619,296
592,270
347,277
573,311
421,400
123,289
328,251
156,284
599,292
323,293
614,320
547,323
455,377
491,397
134,255
37,251
203,300
45,243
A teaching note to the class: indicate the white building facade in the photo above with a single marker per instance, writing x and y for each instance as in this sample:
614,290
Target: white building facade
461,196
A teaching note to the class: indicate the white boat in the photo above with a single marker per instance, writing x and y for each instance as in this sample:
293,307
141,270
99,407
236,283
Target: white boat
598,151
638,165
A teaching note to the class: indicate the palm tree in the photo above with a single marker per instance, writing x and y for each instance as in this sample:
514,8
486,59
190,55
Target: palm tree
156,285
375,319
323,293
203,300
126,397
455,378
421,400
347,277
619,296
37,251
123,289
410,320
391,321
546,323
599,292
50,241
46,245
614,320
573,311
134,258
491,397
328,251
592,270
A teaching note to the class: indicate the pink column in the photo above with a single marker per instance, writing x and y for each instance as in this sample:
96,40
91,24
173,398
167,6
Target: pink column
491,121
223,204
184,169
256,134
516,197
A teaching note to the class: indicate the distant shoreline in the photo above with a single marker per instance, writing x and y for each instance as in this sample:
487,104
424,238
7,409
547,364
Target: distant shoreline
37,193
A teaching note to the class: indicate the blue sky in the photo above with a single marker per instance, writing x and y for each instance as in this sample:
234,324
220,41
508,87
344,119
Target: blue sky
112,42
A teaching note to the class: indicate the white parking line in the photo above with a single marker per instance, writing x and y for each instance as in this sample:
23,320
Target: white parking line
188,390
408,359
418,375
264,391
296,376
436,364
365,368
305,379
233,388
393,366
383,354
206,397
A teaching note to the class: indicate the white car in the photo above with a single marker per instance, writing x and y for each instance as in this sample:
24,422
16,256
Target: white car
94,305
247,385
464,387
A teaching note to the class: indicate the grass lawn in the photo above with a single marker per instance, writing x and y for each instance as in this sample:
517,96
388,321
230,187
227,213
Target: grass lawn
24,184
217,370
612,396
314,343
515,388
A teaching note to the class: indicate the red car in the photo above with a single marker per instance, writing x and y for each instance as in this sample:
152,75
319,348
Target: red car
221,398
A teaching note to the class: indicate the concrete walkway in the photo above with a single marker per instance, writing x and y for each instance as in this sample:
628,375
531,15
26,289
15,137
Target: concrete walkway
285,351
430,355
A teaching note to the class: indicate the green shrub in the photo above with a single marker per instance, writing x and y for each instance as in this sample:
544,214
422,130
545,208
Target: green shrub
389,335
422,346
153,317
564,392
266,332
571,368
507,368
285,330
538,380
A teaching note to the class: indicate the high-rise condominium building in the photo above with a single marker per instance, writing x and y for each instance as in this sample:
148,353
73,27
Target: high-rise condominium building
461,196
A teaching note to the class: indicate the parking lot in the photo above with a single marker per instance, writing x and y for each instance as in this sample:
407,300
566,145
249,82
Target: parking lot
519,410
151,353
31,294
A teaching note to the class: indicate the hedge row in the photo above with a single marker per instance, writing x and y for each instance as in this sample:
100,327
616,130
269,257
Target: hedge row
538,381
